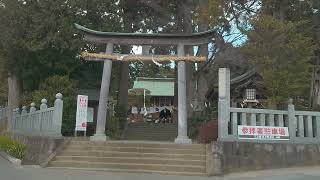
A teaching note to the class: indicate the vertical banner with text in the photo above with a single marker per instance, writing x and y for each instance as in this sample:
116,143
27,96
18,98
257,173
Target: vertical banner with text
82,110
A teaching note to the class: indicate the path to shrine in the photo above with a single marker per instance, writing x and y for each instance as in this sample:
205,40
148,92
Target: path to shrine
9,172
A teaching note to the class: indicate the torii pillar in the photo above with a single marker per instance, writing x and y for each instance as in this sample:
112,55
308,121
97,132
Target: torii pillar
100,134
182,101
179,40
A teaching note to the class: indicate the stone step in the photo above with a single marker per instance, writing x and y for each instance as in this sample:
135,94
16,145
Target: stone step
145,144
134,131
135,149
133,156
134,166
156,132
200,157
154,124
162,126
134,171
150,138
141,160
151,130
146,133
154,127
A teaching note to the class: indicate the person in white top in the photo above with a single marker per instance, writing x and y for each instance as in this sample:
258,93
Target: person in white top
134,110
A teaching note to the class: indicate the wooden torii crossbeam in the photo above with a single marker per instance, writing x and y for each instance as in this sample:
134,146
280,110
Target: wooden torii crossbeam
126,57
112,38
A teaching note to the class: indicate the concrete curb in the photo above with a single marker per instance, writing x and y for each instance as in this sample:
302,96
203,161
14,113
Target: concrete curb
13,160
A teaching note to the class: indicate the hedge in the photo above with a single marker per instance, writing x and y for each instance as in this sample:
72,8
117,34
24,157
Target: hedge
12,148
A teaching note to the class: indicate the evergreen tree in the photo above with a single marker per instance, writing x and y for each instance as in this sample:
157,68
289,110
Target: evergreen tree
282,56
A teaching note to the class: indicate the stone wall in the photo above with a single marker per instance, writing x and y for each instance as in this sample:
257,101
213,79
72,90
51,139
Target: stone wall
227,157
38,148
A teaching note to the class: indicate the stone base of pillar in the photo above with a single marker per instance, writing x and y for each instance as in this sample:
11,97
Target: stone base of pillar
99,137
183,140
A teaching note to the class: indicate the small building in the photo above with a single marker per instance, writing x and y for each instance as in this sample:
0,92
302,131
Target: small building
161,89
157,96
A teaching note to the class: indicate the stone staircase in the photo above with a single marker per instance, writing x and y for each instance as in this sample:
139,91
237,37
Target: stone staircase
133,156
151,131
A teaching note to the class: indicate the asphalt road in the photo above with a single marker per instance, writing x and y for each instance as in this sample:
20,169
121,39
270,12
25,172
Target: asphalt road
10,172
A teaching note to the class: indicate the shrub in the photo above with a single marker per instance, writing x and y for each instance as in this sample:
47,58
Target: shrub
121,112
194,124
116,124
12,148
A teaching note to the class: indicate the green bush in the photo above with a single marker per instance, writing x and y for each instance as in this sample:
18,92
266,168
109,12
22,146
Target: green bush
121,112
12,148
113,127
116,124
194,124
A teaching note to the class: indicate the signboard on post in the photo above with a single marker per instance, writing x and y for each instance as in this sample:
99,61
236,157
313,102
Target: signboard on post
82,111
263,132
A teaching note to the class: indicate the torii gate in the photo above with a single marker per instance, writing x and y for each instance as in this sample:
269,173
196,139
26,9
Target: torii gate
111,38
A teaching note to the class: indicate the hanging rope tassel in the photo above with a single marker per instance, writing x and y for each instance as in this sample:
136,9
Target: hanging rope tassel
120,58
156,63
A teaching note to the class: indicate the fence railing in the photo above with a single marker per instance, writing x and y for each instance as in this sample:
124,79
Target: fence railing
3,113
303,126
43,122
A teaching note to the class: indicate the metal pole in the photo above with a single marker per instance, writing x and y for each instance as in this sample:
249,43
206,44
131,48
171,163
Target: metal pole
144,99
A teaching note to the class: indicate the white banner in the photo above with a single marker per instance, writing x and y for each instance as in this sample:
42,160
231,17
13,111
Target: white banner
263,132
82,110
90,114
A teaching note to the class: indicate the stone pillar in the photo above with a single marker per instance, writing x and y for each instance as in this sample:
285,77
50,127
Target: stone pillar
57,115
100,134
292,121
43,108
182,101
224,103
214,159
15,120
24,110
43,105
33,107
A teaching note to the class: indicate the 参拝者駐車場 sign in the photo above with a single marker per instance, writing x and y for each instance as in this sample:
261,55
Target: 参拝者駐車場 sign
263,132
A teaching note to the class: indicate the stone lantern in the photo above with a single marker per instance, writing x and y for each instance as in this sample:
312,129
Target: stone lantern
250,98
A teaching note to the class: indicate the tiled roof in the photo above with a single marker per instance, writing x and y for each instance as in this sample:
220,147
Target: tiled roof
156,86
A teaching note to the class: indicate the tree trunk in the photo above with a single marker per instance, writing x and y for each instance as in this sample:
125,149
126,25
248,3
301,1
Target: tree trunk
201,81
124,69
124,79
315,81
14,95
